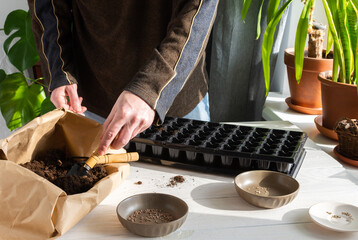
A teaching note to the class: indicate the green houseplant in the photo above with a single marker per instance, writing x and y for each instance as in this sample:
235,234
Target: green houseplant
21,98
274,15
339,87
342,36
304,86
302,64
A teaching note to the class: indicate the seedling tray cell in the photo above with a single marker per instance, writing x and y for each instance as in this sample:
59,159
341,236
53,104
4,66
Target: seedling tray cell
220,148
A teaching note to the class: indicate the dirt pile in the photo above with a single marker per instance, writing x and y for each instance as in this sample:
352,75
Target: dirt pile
53,166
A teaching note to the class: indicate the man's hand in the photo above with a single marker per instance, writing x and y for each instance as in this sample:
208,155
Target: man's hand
59,98
130,115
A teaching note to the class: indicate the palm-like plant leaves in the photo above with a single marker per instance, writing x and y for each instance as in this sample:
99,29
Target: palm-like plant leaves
352,26
300,41
329,42
272,9
330,7
258,28
345,38
245,8
268,42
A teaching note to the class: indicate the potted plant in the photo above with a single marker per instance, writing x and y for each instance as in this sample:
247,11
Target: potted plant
339,86
21,98
304,86
303,65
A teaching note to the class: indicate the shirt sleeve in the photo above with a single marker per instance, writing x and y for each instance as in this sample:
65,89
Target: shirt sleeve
51,22
171,63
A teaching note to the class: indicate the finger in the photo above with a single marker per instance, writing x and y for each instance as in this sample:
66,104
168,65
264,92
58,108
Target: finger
74,99
124,136
59,100
83,109
107,137
106,123
135,132
140,128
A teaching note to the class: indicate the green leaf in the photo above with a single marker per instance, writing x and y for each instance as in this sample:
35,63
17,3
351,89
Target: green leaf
271,10
329,42
2,75
355,4
267,43
356,69
335,68
300,40
19,102
258,28
20,45
330,7
47,106
245,8
345,38
352,27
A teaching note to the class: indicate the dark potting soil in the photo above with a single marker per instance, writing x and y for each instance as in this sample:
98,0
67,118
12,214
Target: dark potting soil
347,126
175,180
53,166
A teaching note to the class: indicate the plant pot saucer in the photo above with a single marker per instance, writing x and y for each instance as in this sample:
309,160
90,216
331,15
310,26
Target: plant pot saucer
330,133
301,109
344,158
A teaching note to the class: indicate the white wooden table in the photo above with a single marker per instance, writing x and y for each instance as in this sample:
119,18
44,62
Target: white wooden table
217,212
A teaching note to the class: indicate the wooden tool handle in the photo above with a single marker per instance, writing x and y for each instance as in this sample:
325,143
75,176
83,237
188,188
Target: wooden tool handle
112,158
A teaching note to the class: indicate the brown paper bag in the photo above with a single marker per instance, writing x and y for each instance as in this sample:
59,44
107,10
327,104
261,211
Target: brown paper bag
32,207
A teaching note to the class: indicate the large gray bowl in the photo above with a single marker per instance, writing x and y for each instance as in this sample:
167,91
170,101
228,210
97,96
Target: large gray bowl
266,189
168,203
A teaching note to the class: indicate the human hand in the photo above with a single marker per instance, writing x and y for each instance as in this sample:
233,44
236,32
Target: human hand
59,98
130,115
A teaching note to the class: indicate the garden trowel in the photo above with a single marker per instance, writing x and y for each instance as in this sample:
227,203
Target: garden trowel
82,168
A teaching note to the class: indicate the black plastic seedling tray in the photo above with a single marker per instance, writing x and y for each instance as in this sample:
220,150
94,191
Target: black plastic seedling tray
220,148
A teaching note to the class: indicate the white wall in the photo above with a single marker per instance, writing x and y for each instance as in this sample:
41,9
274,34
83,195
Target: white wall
280,75
6,6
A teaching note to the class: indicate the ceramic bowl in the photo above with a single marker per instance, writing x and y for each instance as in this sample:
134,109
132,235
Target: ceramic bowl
172,205
266,189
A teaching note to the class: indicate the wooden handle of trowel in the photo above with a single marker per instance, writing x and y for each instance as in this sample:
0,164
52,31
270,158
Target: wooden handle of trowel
112,158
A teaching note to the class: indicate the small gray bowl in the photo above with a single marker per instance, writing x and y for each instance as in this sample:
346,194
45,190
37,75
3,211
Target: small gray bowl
266,189
168,203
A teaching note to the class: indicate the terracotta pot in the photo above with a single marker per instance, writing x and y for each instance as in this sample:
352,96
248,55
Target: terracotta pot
338,100
306,94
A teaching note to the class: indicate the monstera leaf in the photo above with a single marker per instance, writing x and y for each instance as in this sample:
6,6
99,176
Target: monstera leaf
47,106
19,101
20,45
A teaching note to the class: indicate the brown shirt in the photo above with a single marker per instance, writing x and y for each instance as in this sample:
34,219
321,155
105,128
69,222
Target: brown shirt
153,48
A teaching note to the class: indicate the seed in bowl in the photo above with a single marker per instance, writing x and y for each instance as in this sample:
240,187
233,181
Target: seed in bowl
150,216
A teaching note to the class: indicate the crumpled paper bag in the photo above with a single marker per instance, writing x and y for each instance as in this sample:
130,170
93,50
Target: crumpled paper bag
32,207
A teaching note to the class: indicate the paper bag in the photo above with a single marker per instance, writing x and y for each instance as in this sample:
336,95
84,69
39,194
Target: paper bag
31,207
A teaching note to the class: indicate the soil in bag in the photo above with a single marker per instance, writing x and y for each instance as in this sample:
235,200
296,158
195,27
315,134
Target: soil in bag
53,166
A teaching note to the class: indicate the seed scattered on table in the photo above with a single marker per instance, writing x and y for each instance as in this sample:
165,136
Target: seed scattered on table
346,215
138,183
150,216
261,191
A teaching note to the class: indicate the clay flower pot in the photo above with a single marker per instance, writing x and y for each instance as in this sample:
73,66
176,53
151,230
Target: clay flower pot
339,100
306,96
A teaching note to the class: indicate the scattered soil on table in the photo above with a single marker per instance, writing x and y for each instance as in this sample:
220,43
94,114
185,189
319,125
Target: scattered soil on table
175,180
53,166
150,216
